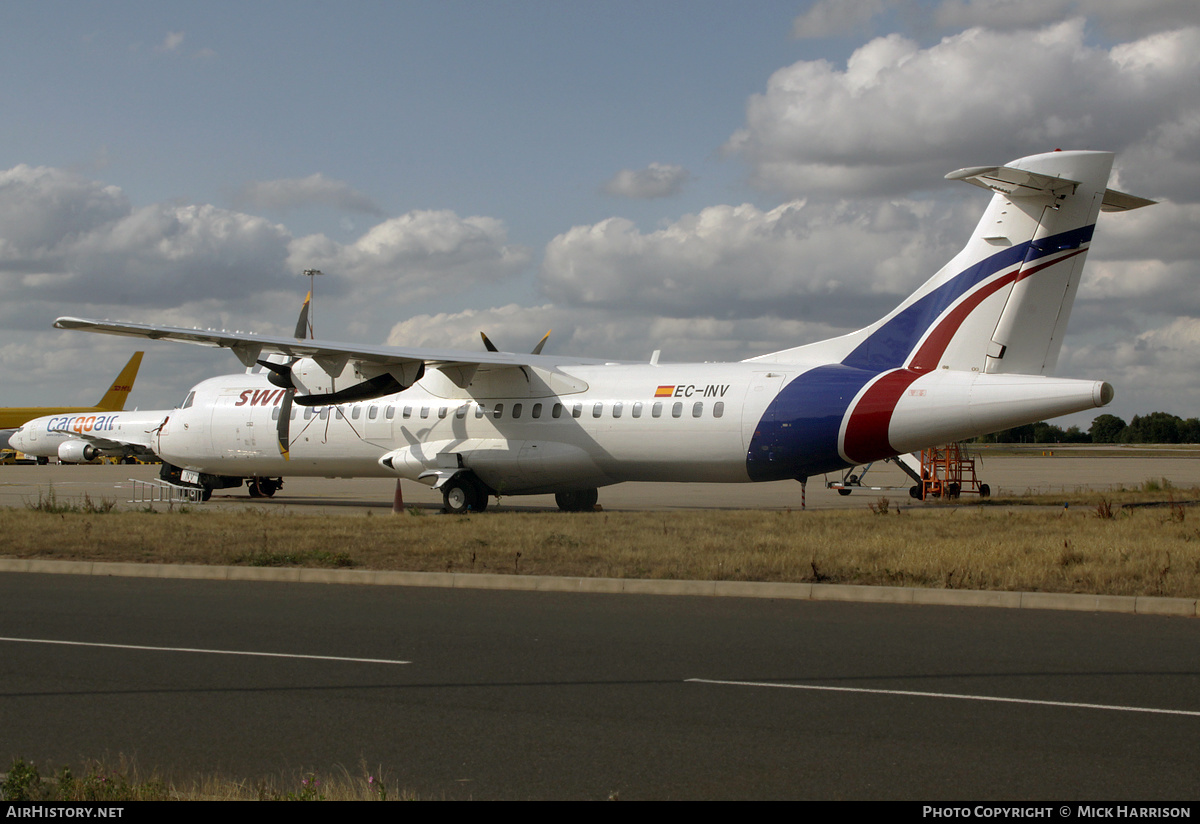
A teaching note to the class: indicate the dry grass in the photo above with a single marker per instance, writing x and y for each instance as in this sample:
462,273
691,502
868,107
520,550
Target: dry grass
1095,546
120,780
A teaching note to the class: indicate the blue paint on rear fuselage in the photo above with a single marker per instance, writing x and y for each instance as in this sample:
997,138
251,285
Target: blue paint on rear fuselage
798,434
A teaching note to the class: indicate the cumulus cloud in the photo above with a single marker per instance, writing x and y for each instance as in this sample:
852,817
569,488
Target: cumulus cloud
314,190
66,238
1122,18
656,180
835,17
594,333
801,260
416,255
69,245
897,116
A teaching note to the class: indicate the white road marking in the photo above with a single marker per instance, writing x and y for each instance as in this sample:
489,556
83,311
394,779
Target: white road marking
994,698
207,651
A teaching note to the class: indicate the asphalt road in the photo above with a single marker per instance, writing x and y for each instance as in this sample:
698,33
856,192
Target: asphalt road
1063,470
542,695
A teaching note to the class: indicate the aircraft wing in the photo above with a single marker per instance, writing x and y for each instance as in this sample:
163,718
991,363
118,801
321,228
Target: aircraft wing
459,366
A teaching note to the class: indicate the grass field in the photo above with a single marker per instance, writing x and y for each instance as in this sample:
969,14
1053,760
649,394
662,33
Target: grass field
1129,542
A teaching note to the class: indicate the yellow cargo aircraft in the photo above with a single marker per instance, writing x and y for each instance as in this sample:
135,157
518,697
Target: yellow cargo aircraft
113,401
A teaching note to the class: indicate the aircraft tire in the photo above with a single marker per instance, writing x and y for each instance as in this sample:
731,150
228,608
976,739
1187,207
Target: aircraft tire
915,491
462,494
984,491
263,487
843,491
581,500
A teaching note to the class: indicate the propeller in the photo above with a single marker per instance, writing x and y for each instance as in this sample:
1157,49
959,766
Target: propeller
280,374
537,350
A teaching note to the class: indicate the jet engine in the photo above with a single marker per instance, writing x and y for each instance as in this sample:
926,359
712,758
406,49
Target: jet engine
77,452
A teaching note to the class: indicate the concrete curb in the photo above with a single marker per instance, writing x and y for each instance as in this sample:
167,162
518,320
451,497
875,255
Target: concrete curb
1134,604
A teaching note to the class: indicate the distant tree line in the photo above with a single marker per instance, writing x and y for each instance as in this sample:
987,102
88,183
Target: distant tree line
1157,427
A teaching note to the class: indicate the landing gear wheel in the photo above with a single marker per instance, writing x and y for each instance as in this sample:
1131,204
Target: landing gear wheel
915,491
843,491
953,490
463,494
263,487
984,491
580,500
206,493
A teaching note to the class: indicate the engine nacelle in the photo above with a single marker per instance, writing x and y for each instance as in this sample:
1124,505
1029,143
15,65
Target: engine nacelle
77,452
322,381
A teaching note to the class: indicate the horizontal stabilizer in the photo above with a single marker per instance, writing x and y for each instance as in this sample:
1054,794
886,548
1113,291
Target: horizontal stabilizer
1021,183
1014,182
1115,201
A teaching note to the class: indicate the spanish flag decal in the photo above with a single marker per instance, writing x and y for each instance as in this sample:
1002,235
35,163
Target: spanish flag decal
664,391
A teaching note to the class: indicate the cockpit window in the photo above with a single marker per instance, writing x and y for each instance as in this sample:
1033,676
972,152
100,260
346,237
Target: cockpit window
187,402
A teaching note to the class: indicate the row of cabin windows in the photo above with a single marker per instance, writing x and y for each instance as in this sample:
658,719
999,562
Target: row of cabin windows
617,410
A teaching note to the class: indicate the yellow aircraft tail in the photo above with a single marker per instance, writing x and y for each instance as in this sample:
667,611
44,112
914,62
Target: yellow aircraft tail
114,399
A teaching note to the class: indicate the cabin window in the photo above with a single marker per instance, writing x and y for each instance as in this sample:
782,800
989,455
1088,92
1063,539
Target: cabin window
577,410
372,413
407,412
461,412
697,409
479,411
424,412
293,415
308,413
598,409
340,414
390,412
617,407
355,412
443,411
556,412
718,409
637,409
275,414
656,410
677,409
516,410
537,411
499,411
324,413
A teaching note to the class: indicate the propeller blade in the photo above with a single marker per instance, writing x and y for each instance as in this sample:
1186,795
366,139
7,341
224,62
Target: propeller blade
302,321
281,373
284,425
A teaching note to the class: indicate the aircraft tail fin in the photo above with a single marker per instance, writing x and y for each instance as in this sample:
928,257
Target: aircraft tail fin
1001,305
114,399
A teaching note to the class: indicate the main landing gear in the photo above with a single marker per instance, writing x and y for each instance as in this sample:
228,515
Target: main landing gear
263,487
464,493
580,500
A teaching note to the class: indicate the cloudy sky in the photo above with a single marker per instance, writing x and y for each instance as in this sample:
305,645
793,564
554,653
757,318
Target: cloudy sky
712,179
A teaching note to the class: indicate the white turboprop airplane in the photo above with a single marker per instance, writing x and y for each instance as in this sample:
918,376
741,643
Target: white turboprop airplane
968,353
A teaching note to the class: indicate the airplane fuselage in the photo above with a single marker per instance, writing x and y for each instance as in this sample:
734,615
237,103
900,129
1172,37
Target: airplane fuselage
581,427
